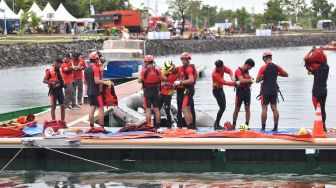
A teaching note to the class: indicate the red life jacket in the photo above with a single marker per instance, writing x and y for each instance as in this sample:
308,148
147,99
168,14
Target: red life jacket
186,77
245,75
109,96
55,125
151,77
318,57
53,76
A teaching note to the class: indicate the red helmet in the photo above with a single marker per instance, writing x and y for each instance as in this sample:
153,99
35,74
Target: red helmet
93,55
185,55
149,58
267,53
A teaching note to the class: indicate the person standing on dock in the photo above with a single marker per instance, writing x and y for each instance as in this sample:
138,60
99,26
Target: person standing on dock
93,79
243,91
218,82
316,64
167,89
78,65
68,77
151,77
55,82
188,76
268,75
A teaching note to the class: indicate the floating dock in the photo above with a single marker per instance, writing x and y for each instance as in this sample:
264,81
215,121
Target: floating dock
189,149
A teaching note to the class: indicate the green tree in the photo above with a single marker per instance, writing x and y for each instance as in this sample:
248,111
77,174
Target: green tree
180,8
293,7
322,8
194,12
208,15
222,15
273,12
35,20
243,17
24,20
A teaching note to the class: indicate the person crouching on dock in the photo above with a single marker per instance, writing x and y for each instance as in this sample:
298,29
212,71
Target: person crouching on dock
55,82
217,89
151,77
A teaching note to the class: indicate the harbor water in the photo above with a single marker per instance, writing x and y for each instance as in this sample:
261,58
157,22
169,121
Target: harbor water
23,88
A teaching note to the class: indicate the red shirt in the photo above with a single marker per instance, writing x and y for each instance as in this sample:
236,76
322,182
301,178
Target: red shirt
262,69
245,75
218,78
67,77
78,74
167,86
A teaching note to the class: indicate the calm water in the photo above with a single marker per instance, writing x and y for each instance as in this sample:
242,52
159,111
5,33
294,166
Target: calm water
23,88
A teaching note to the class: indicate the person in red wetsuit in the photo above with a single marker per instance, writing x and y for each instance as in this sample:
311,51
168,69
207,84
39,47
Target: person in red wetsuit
167,89
55,82
186,91
243,91
218,82
94,82
78,65
268,75
68,77
316,64
151,77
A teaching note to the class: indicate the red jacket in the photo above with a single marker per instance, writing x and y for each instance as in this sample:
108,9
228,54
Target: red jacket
78,74
218,78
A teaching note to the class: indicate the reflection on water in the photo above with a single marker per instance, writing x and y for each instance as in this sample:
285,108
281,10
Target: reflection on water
105,179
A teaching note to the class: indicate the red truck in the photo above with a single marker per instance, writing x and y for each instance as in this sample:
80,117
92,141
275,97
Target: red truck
131,19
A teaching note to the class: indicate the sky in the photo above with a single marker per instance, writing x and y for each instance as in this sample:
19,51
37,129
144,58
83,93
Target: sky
257,5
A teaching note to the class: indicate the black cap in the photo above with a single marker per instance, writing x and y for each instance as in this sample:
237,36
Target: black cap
219,63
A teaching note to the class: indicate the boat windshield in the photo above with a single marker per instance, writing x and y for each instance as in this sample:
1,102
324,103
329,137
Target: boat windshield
123,44
123,55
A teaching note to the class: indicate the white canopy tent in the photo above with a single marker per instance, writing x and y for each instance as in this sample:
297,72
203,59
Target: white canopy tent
20,13
8,12
48,13
62,14
35,8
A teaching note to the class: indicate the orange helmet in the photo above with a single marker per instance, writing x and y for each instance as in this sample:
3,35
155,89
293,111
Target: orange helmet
93,55
185,55
149,58
266,53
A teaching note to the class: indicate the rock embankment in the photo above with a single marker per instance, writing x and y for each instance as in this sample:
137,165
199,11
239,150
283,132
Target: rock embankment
21,55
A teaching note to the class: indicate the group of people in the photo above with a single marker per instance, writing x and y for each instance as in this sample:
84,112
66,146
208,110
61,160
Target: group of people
66,73
159,85
71,73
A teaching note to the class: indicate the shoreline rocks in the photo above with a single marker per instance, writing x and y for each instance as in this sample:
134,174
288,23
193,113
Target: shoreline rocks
23,55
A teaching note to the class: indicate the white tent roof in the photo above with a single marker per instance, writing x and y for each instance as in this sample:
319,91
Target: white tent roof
47,10
62,14
9,13
20,13
35,8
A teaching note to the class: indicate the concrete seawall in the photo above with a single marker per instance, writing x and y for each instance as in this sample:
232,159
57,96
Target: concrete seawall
21,55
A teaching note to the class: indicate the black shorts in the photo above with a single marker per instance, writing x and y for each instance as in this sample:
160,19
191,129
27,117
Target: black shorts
267,99
58,96
151,97
243,95
96,101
